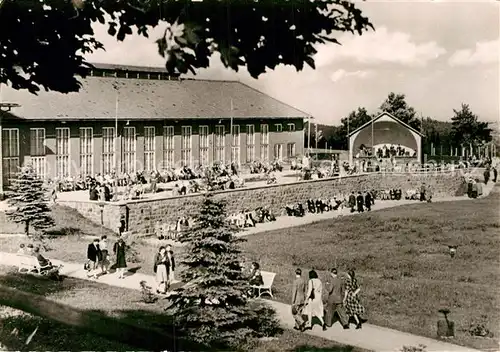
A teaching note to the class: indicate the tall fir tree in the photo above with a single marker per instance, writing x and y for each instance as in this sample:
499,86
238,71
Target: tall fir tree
29,201
212,308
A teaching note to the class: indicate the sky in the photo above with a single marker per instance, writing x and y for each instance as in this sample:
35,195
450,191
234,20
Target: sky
440,54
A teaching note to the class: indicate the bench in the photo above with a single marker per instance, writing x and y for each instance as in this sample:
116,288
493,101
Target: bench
29,265
267,286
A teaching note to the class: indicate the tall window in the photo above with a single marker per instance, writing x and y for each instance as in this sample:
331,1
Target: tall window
250,143
264,142
10,157
129,149
86,151
204,145
235,144
108,150
149,148
62,152
278,151
219,143
37,150
279,127
168,147
290,150
291,127
186,144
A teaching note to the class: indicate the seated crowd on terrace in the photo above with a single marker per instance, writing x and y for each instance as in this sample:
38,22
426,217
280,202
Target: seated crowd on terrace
242,219
185,180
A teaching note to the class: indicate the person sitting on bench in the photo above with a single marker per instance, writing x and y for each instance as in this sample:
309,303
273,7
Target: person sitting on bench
46,267
249,221
300,211
290,211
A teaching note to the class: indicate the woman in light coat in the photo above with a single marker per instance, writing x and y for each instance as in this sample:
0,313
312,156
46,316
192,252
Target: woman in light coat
314,302
161,270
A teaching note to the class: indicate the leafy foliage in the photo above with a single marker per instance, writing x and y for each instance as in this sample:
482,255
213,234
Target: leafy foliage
467,129
437,132
213,308
43,37
28,197
396,105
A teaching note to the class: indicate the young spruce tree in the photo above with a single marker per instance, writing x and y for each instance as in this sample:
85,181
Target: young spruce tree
212,308
29,201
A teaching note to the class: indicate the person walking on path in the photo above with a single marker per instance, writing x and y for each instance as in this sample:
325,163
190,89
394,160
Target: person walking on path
368,201
360,200
422,192
94,256
486,175
336,295
314,303
171,264
352,201
104,263
352,304
298,299
495,173
161,270
121,264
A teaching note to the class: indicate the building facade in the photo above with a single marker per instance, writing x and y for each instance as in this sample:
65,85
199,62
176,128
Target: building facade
134,119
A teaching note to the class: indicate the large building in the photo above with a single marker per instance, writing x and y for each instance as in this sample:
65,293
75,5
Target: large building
131,119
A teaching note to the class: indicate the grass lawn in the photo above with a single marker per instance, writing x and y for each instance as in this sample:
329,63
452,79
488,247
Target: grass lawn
122,304
401,258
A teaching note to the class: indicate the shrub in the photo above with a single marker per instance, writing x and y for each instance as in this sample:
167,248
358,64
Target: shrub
479,328
419,348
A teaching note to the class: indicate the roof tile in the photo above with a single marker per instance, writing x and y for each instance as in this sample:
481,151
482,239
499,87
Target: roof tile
156,99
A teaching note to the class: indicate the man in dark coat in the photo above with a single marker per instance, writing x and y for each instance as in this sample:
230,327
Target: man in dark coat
298,299
495,174
360,200
368,201
352,201
336,295
422,192
486,175
94,256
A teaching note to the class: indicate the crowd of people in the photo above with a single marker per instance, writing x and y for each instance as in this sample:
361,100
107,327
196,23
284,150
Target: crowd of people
356,202
99,258
315,206
247,218
258,167
242,219
171,231
342,300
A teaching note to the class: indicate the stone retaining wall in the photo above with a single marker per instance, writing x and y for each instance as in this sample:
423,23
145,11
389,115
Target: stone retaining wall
142,215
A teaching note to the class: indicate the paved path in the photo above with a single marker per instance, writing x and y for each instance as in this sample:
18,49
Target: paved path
371,337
